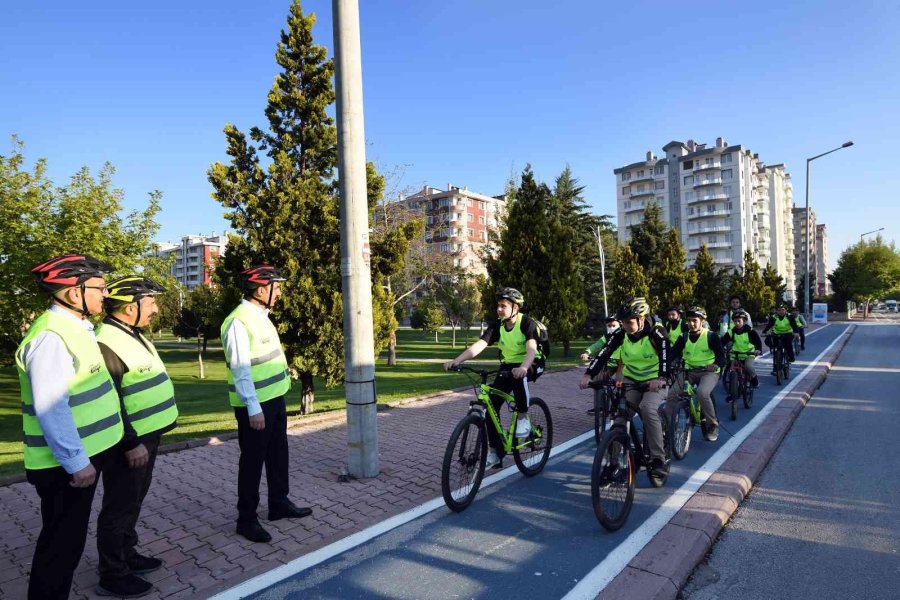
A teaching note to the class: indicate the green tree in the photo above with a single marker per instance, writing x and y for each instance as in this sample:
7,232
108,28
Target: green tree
432,316
532,251
649,236
711,289
758,298
670,283
461,301
866,271
629,279
284,209
774,282
201,317
41,220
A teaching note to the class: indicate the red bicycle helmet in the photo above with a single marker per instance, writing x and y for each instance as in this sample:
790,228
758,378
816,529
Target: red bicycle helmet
68,270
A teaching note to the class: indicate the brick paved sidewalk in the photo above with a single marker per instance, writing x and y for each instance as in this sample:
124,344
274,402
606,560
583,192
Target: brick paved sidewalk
188,516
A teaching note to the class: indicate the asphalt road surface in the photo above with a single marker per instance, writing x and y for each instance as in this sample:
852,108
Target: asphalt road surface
521,538
823,521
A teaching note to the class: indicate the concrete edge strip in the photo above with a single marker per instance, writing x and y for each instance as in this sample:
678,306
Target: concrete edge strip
316,557
621,557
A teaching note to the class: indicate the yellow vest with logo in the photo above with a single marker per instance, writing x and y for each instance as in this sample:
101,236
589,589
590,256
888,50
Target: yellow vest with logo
147,391
639,359
741,343
92,395
268,365
782,325
698,354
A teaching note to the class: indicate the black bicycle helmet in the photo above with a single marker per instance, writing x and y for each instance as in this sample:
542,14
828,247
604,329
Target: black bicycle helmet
674,309
511,294
68,270
696,311
126,290
634,308
611,319
740,314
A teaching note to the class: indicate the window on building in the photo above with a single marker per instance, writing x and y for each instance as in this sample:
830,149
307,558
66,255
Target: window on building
660,185
471,262
626,190
626,176
726,158
640,188
640,173
727,174
484,236
689,180
726,189
445,201
659,170
481,220
687,165
470,217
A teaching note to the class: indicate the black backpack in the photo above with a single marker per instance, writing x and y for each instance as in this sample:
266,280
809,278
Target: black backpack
543,340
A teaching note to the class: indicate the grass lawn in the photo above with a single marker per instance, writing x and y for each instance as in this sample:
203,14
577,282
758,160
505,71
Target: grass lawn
203,403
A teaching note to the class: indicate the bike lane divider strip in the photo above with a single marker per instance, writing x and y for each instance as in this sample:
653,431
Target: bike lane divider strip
657,558
298,565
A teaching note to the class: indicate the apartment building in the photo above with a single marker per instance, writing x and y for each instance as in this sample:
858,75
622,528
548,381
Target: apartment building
458,221
800,246
721,196
823,284
195,256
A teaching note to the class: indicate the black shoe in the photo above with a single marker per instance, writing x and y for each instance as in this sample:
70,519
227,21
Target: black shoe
140,565
712,433
659,469
773,373
254,532
289,511
129,586
754,382
592,411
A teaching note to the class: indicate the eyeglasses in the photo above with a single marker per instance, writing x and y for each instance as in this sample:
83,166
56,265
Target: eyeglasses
102,288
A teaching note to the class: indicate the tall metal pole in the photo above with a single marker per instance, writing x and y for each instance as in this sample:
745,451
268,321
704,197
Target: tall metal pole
602,270
359,347
868,232
806,295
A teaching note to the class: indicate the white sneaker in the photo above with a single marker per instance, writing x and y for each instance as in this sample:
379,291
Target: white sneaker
523,428
492,459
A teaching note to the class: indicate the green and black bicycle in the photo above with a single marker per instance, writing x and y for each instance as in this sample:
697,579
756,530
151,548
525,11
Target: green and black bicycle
464,459
686,414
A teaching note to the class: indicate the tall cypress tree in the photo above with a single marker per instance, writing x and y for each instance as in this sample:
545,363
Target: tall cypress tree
284,205
757,297
670,283
710,290
628,280
534,252
649,236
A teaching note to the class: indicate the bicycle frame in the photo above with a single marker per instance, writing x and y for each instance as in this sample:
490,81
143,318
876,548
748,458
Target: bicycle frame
483,405
694,402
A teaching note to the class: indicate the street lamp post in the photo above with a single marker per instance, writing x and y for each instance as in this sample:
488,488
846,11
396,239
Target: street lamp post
806,275
868,232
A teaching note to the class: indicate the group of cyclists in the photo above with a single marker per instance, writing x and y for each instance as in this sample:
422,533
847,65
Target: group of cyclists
649,357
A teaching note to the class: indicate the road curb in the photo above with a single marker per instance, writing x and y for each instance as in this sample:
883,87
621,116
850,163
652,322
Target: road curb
662,567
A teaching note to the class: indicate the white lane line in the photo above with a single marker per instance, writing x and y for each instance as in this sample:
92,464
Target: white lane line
312,559
619,557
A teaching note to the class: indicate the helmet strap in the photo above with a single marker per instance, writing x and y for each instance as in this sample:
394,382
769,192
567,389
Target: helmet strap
271,293
83,311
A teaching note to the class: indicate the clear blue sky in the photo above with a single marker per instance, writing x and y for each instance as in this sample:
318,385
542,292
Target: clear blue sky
468,91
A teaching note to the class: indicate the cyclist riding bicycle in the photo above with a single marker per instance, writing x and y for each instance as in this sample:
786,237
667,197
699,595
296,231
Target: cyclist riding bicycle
726,323
645,367
744,341
675,326
521,361
783,327
801,323
612,325
704,358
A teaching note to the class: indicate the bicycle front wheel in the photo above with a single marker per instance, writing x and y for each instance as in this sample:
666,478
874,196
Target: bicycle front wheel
601,413
748,395
464,459
532,453
681,428
612,480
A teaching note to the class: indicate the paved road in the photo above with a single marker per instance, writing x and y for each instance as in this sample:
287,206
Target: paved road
824,520
522,538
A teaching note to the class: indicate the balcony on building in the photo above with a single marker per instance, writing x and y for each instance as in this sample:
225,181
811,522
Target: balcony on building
709,197
714,213
708,181
696,245
635,207
707,167
644,193
709,229
642,178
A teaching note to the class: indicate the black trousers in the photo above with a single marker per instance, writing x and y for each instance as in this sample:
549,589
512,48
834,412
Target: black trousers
783,340
264,447
65,512
124,490
519,390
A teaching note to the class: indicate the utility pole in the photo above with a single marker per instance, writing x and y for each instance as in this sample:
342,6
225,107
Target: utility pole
602,269
359,346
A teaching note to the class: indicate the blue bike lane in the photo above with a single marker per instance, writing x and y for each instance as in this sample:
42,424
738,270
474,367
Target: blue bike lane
525,537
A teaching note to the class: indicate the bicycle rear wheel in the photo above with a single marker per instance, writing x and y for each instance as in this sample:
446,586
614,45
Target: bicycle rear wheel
778,368
532,453
612,480
463,467
748,395
682,427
